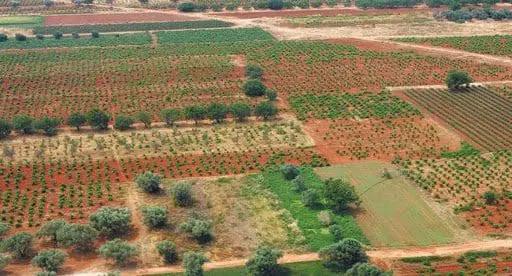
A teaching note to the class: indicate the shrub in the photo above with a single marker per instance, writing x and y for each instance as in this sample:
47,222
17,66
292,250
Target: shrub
47,125
50,260
316,3
490,197
340,194
5,129
266,110
58,35
336,232
311,198
455,79
48,3
170,116
182,194
75,35
167,249
79,236
149,182
289,171
325,217
275,4
193,263
46,273
111,221
51,228
187,7
123,122
240,111
253,71
3,37
365,269
19,245
20,37
4,261
144,118
40,36
199,229
299,184
271,94
22,123
4,228
95,34
264,262
155,216
231,6
342,255
77,120
254,88
98,119
118,250
217,112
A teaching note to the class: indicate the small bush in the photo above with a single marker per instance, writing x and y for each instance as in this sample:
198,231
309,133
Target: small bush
155,216
123,122
325,217
187,7
200,230
311,198
271,94
299,184
149,182
40,36
193,263
95,34
167,249
275,4
3,37
20,37
336,232
182,194
58,35
254,88
289,171
118,250
253,71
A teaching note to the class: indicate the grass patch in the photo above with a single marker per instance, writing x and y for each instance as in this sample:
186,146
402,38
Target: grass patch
293,269
217,35
315,233
21,21
465,150
393,205
67,41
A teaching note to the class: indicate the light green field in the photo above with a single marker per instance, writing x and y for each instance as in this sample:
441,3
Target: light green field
392,211
21,21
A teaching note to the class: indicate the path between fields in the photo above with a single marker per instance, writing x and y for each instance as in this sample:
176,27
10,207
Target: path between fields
376,254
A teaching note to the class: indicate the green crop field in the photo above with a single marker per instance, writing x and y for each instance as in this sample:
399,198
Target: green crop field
218,35
392,211
21,21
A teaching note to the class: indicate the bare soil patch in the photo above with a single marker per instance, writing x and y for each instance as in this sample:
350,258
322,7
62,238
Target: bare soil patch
114,18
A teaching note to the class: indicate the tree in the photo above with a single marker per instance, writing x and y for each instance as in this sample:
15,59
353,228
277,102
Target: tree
187,7
365,269
50,229
5,129
299,184
182,194
336,232
50,260
266,110
144,118
490,197
170,116
253,71
149,182
342,255
240,111
195,112
118,250
271,94
289,171
111,221
4,261
155,216
4,228
275,4
254,88
311,198
77,120
123,122
47,125
98,119
22,123
456,79
20,244
217,112
340,193
79,236
264,262
193,263
167,249
200,230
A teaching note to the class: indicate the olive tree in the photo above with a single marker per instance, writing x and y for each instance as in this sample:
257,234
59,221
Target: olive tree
50,229
79,236
217,112
22,123
266,110
340,194
5,129
4,228
253,71
149,182
111,221
118,250
167,249
193,263
155,216
456,79
123,122
342,255
4,261
20,245
182,194
264,262
170,116
254,88
47,125
365,269
50,260
98,119
195,113
240,111
199,229
289,171
144,118
77,120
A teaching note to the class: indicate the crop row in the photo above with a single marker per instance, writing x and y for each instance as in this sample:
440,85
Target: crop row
132,27
217,35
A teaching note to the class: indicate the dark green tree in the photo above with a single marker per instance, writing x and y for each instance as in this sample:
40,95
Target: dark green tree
456,79
253,71
170,116
47,125
254,88
123,122
111,221
264,262
77,120
240,111
289,171
266,110
340,194
195,112
98,119
5,129
167,249
149,182
217,112
342,255
23,123
365,269
50,260
118,250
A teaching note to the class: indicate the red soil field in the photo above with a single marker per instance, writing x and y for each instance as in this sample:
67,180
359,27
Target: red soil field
113,18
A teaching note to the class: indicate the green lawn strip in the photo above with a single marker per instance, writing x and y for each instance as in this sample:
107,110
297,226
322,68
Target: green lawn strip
132,27
316,234
103,40
292,269
392,211
217,35
21,21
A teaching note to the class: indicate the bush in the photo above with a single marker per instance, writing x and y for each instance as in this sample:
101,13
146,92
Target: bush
20,37
149,182
4,261
384,4
46,273
266,110
365,269
340,194
289,171
167,249
193,263
200,230
253,71
77,120
264,262
254,88
155,216
3,37
51,228
170,116
311,198
187,7
271,94
58,35
490,197
231,6
275,4
299,184
50,260
5,129
342,255
217,112
112,221
325,217
240,111
4,228
336,232
98,119
40,36
19,245
47,125
182,194
79,236
48,3
118,250
123,122
75,35
95,34
23,124
455,79
316,3
144,118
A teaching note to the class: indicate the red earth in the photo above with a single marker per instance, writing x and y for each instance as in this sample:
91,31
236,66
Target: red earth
113,18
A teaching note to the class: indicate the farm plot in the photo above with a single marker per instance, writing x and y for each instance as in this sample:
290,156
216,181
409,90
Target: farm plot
504,91
392,211
223,35
130,27
113,18
21,21
500,45
482,115
476,186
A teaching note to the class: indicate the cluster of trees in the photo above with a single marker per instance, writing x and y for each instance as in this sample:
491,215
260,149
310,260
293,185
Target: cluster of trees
56,35
461,16
457,4
258,4
384,4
